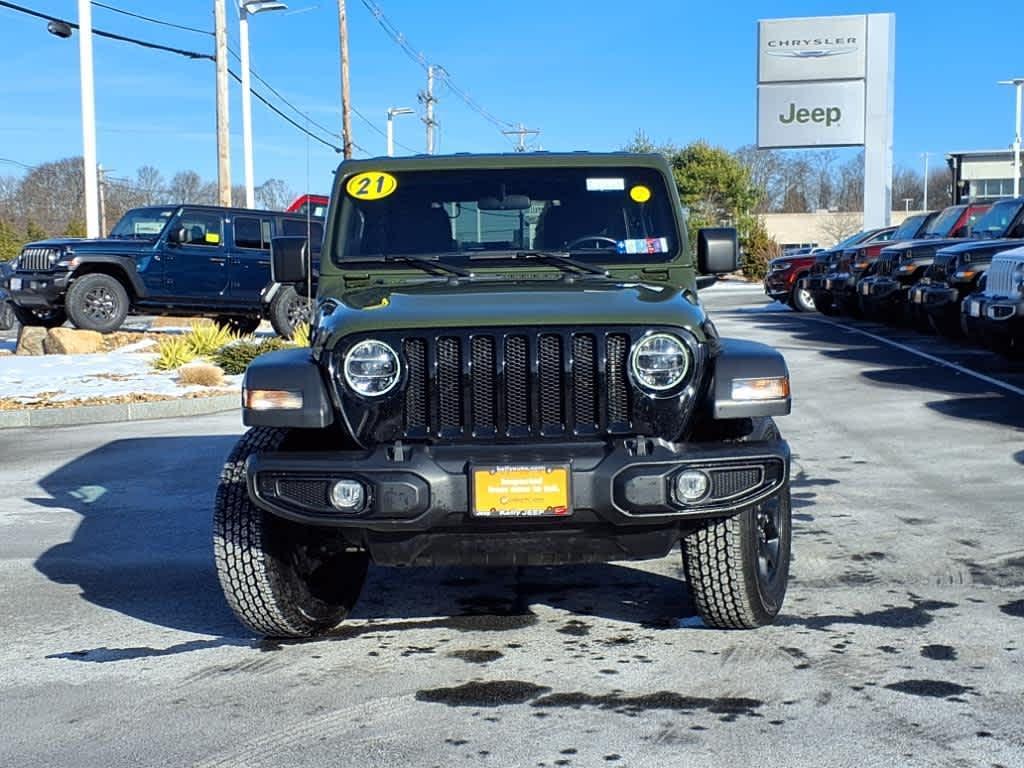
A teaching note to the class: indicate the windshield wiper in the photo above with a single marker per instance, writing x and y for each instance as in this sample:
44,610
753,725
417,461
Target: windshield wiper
559,259
432,266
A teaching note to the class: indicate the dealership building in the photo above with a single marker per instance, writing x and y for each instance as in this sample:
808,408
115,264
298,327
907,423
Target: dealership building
981,175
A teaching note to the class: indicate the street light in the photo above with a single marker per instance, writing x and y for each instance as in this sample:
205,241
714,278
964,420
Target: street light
247,8
63,30
1018,82
392,111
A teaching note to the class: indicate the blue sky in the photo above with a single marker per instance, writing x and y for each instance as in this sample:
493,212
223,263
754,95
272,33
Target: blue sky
588,73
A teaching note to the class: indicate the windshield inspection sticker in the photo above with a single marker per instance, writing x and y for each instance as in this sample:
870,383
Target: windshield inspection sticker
371,185
606,185
640,193
643,245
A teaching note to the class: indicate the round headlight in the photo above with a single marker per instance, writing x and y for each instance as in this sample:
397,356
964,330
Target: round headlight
660,362
372,368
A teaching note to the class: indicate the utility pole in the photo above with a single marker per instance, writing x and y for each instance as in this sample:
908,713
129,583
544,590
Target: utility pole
103,199
522,132
92,212
223,137
426,98
346,96
924,205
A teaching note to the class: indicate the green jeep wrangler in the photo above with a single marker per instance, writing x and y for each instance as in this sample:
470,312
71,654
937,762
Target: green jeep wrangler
510,366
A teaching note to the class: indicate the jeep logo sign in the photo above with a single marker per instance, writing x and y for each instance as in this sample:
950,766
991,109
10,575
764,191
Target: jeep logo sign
810,114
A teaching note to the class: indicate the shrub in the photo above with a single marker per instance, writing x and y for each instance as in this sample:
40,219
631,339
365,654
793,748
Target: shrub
758,248
173,352
206,338
235,357
300,336
201,374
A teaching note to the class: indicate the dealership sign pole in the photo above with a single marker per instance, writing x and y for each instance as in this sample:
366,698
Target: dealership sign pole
827,81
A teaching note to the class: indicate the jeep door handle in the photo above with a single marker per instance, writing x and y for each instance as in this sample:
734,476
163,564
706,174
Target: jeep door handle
218,259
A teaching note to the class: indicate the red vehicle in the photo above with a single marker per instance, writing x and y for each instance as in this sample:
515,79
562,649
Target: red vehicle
314,205
783,272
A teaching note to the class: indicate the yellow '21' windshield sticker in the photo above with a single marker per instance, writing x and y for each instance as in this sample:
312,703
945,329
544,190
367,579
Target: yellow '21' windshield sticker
371,185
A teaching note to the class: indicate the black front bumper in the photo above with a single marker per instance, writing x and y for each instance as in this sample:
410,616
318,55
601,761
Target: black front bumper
38,289
938,299
882,290
998,317
625,483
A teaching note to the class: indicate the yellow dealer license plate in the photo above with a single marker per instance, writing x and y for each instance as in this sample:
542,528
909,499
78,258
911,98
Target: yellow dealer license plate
515,490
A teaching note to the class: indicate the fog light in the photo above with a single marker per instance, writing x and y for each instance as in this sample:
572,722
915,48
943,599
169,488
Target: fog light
348,495
692,485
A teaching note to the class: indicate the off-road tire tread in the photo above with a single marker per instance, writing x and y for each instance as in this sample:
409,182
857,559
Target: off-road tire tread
278,312
245,568
713,562
80,286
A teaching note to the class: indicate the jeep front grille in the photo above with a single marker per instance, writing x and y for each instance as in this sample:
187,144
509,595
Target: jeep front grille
886,263
516,384
37,259
942,267
1000,277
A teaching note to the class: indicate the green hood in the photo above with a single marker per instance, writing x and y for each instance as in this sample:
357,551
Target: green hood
439,305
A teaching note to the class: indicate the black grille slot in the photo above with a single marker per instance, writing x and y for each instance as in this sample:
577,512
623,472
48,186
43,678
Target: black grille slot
618,386
726,483
584,381
942,266
517,376
884,265
416,416
549,372
449,373
305,493
482,373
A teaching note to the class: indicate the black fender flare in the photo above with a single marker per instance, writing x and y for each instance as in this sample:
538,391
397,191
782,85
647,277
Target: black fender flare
289,370
740,359
117,266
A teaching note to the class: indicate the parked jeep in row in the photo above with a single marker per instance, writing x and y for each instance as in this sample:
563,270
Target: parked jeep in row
180,260
995,314
893,293
815,282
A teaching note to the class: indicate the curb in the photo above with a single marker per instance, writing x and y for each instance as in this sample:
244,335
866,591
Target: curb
104,414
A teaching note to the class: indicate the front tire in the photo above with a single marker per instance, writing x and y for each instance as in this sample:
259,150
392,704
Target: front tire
738,567
7,317
823,303
801,300
288,310
44,318
97,302
281,579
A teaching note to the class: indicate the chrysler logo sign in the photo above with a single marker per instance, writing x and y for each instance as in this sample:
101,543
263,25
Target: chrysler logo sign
823,48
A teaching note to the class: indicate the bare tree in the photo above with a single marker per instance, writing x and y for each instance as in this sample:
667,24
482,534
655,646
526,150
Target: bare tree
765,167
850,185
151,186
840,225
907,185
940,188
274,195
185,187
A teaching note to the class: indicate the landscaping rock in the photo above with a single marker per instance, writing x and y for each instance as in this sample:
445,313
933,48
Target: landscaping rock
30,340
71,341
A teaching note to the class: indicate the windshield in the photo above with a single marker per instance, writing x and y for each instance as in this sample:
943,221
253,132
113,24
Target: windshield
908,229
145,223
997,220
601,214
942,225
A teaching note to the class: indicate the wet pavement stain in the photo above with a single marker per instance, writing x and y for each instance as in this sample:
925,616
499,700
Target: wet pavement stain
477,655
652,701
938,689
939,652
1016,609
575,628
494,693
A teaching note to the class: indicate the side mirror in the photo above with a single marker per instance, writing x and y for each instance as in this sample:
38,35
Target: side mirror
177,235
289,260
718,250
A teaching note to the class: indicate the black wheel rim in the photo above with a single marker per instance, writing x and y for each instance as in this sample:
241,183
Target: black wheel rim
298,311
769,540
100,303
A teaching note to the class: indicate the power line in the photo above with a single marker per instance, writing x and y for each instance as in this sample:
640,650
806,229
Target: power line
420,58
152,20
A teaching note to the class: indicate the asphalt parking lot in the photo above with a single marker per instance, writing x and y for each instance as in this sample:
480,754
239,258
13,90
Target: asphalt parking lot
901,640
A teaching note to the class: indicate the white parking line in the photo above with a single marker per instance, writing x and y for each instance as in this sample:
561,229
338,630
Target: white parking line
932,358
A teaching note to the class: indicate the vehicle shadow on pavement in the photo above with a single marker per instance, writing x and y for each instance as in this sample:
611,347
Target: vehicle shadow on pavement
143,548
